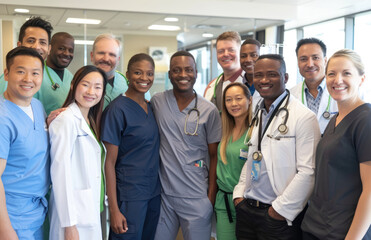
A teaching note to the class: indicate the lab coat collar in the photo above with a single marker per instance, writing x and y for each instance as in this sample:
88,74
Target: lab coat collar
83,124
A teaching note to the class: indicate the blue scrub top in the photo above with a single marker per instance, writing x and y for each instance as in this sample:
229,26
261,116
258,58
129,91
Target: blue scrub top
25,145
126,125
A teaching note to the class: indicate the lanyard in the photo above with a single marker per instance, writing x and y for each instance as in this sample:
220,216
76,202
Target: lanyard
216,83
302,98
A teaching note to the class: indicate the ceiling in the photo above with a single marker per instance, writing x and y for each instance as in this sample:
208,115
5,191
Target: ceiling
195,16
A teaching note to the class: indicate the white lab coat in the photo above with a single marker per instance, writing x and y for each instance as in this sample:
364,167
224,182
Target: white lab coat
76,176
297,91
289,161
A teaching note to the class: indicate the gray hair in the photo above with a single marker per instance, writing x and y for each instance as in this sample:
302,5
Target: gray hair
107,36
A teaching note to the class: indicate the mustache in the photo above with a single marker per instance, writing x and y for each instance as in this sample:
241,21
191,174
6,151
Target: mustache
105,62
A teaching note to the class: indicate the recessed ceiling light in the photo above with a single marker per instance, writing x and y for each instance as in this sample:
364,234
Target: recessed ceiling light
83,21
171,19
207,35
164,28
84,42
21,10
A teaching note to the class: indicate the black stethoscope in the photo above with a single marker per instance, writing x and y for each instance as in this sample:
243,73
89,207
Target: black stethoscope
198,118
282,128
54,84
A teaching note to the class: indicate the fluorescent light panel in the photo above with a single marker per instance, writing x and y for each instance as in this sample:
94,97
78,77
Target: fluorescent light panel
83,21
207,35
21,10
84,42
171,19
164,28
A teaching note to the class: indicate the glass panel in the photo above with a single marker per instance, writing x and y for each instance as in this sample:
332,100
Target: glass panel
289,45
202,57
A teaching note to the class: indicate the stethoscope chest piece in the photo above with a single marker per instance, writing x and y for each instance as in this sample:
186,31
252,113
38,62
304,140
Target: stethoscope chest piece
257,156
282,128
55,86
326,115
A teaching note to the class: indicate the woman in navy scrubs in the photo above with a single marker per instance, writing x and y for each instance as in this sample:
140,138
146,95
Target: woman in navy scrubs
340,207
131,136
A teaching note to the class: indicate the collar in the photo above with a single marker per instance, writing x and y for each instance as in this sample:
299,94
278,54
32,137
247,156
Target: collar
321,86
234,76
274,104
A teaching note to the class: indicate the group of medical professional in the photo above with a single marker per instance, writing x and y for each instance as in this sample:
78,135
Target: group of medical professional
271,163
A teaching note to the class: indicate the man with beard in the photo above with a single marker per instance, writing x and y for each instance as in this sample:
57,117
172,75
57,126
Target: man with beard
190,130
106,56
57,79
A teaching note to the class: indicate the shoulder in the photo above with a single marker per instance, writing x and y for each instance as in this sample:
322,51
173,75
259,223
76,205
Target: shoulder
298,109
160,96
208,94
295,90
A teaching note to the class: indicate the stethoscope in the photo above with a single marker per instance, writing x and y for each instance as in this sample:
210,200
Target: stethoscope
198,118
54,84
216,84
282,128
326,114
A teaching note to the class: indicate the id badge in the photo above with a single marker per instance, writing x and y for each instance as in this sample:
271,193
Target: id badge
255,171
243,154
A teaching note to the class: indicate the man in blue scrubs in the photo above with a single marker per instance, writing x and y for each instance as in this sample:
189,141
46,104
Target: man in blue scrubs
188,152
35,33
24,148
57,79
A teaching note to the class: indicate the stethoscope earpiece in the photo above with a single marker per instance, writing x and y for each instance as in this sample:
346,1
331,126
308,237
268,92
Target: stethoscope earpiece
55,86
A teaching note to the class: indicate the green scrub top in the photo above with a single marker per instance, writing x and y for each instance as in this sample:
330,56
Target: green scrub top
228,174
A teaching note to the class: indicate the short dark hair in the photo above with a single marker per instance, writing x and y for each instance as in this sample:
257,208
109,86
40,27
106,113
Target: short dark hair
36,22
311,41
22,51
139,57
61,34
252,41
276,57
182,53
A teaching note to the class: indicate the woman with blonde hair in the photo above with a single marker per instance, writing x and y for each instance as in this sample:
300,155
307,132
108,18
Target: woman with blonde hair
232,154
340,206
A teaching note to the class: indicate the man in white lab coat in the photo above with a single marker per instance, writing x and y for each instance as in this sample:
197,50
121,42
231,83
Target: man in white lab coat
312,92
278,176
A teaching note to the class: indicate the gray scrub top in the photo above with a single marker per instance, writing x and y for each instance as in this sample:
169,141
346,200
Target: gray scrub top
181,173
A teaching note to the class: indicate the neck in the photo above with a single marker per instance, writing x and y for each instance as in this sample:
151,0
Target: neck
229,73
183,98
346,107
51,65
313,86
249,78
20,102
135,95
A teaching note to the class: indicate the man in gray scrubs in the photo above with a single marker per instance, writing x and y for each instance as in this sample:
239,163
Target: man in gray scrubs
190,130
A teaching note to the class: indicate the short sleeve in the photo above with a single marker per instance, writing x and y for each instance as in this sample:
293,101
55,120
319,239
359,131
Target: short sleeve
6,136
113,124
214,126
362,138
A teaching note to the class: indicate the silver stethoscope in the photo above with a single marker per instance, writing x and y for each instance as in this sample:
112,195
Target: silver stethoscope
55,85
282,128
326,114
198,118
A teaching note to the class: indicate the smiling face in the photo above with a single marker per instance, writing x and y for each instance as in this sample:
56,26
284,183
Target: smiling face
61,53
182,73
106,56
36,38
24,79
228,55
343,79
269,80
89,91
141,75
311,62
236,103
248,56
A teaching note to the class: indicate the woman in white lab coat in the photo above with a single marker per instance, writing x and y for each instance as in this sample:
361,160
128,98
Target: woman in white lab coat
77,156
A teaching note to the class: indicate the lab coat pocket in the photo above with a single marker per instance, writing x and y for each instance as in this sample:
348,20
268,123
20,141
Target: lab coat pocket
85,207
283,148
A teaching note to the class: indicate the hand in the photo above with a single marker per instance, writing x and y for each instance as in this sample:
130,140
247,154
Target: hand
118,222
275,215
71,233
236,201
53,115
